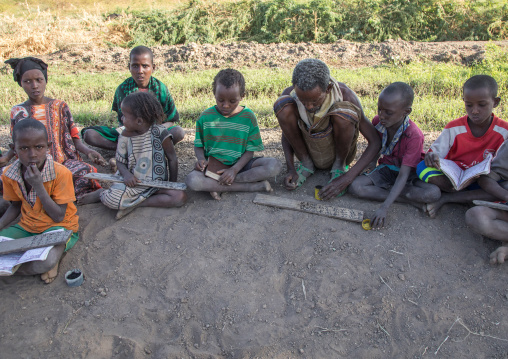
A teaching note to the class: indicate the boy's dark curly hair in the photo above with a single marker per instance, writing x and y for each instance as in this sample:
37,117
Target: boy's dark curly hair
403,89
228,78
482,81
145,106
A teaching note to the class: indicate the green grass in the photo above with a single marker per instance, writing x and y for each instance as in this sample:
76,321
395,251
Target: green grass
437,88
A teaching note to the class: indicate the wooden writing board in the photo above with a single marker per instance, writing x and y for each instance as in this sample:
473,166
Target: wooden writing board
308,207
148,183
501,206
37,241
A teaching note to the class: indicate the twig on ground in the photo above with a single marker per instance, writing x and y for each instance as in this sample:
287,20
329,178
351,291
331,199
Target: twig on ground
391,250
469,332
304,291
447,336
409,300
425,351
70,320
324,330
383,329
479,334
382,280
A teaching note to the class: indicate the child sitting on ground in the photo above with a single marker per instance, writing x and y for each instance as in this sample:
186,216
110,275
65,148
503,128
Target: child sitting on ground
42,191
466,141
230,134
395,179
145,152
490,222
31,74
141,67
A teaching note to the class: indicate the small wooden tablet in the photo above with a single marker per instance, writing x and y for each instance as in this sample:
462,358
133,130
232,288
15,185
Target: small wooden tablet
501,206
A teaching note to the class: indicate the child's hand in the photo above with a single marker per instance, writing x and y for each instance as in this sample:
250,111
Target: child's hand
201,165
96,158
4,160
33,176
378,221
130,180
432,160
227,176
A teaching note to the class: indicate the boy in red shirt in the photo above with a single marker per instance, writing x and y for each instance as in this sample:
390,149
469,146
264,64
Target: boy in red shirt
395,179
466,141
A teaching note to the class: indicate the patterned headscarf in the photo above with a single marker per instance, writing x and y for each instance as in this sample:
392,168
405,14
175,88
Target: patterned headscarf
20,66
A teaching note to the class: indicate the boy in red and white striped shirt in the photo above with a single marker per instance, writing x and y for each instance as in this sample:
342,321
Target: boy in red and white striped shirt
466,141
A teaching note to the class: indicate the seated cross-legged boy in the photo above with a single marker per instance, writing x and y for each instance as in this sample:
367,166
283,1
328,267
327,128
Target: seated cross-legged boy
395,179
466,141
141,67
490,222
230,134
42,191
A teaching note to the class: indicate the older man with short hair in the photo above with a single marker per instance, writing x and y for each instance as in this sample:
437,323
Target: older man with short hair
320,120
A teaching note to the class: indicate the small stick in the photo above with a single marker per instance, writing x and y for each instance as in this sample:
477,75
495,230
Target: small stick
439,347
391,250
304,291
383,329
425,351
322,330
382,280
479,334
409,300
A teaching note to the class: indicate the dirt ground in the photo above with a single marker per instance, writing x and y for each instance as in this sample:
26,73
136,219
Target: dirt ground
233,279
88,58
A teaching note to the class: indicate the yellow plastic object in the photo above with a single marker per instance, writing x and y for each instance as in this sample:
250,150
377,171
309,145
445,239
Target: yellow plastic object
366,224
316,192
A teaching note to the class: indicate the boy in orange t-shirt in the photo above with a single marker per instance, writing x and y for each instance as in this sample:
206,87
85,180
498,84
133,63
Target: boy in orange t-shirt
42,191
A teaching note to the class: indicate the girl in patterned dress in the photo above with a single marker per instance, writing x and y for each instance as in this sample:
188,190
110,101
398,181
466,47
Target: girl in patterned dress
65,144
144,152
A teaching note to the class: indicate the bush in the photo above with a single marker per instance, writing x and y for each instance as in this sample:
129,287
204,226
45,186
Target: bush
321,21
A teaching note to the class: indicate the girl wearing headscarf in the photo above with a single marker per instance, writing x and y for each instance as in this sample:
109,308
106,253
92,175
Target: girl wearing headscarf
31,74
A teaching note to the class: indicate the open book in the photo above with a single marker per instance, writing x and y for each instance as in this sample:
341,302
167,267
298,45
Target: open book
462,178
9,263
214,165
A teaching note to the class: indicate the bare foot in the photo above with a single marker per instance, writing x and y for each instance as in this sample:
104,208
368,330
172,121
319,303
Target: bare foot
215,196
268,188
112,164
432,208
499,255
92,197
50,275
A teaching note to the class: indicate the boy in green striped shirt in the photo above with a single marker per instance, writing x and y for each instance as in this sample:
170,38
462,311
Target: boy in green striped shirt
230,134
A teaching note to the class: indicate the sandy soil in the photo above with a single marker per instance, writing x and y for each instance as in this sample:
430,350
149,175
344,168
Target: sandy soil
232,279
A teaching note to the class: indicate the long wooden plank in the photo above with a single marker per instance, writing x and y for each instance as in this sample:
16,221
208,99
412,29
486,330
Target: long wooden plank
148,183
308,207
501,206
37,241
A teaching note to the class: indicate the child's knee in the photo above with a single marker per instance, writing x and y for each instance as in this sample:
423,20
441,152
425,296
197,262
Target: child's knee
432,194
477,219
194,181
179,199
54,255
355,188
178,134
274,167
89,136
